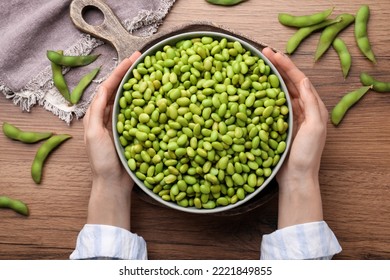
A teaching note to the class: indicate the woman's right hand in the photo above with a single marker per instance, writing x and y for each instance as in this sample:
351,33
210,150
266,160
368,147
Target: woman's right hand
300,198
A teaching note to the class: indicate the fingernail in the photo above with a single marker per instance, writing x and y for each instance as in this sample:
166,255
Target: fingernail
307,83
134,56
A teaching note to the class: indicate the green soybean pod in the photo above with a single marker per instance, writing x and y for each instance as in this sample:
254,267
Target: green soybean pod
17,205
361,36
85,81
225,2
59,80
304,20
344,55
304,32
331,32
43,152
346,102
378,86
15,133
70,61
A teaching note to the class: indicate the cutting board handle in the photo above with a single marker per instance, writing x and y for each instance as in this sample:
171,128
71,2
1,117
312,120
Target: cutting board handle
110,30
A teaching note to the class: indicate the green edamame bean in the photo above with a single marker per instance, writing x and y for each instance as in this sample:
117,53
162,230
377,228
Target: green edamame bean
238,179
268,111
225,2
361,36
344,55
331,32
252,180
14,204
304,32
70,61
274,81
132,164
43,152
304,20
197,203
85,81
281,147
15,133
209,204
378,86
223,201
240,193
346,102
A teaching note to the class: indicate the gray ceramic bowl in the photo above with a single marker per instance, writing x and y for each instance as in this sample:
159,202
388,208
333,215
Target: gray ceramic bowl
172,40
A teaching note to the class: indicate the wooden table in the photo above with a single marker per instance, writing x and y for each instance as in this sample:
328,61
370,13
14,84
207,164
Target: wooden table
355,170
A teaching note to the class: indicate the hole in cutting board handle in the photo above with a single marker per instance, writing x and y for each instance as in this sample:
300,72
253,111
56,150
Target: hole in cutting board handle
92,15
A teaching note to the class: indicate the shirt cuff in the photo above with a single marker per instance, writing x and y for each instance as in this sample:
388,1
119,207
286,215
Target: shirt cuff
304,241
104,241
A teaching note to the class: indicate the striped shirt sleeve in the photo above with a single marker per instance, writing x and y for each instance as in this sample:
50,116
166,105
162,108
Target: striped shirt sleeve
304,241
104,241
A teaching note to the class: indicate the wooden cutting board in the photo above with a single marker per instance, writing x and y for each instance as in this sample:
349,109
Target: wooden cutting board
111,31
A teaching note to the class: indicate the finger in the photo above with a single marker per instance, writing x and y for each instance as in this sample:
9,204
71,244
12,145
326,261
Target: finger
275,60
311,106
97,109
117,75
321,105
289,70
104,92
293,78
86,119
107,114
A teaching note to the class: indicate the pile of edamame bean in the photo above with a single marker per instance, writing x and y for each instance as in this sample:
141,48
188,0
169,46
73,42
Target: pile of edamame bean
202,122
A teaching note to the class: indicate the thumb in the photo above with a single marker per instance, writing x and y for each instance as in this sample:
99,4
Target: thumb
98,108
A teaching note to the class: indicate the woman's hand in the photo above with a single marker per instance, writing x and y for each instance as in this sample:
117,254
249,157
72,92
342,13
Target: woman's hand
300,197
111,186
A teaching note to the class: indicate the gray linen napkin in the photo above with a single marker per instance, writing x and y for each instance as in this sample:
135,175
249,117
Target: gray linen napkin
29,28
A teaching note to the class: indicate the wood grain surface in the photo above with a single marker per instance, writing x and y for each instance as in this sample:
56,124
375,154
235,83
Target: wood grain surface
355,169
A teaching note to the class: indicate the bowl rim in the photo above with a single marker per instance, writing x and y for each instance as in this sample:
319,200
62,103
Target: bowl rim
172,40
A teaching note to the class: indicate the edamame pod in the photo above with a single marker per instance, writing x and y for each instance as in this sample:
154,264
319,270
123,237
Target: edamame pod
15,133
59,79
304,32
361,36
225,2
344,55
305,20
346,102
85,81
331,32
378,86
70,61
14,204
43,152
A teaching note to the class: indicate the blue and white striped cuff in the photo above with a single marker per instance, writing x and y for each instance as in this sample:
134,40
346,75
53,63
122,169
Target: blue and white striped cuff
304,241
104,241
